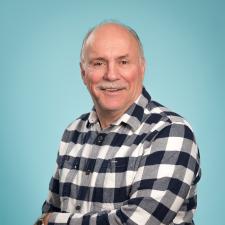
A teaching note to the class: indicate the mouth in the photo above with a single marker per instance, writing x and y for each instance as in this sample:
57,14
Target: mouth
111,89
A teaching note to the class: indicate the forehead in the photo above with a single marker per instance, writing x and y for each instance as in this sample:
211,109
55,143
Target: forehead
111,38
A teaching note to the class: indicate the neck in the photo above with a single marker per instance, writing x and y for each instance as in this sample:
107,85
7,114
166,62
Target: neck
108,117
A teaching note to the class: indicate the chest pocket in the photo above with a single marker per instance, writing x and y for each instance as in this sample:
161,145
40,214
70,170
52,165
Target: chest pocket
119,165
122,170
115,179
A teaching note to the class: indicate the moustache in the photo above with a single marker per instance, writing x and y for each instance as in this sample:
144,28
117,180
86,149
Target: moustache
111,86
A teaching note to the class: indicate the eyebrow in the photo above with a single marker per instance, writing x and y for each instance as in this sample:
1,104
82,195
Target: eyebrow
103,59
123,56
97,59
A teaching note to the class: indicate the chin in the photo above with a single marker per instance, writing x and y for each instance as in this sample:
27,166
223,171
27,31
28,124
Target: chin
111,108
114,107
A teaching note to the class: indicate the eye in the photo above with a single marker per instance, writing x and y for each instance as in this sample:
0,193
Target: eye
98,63
124,62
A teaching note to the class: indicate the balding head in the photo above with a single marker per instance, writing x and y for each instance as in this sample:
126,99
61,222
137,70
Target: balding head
113,27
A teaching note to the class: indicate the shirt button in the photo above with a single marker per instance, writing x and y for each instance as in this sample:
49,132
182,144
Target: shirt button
100,139
78,207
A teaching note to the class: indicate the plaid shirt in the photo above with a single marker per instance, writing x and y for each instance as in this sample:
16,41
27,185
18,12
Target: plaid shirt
143,169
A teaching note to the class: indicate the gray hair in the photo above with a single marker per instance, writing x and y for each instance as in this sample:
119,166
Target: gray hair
131,30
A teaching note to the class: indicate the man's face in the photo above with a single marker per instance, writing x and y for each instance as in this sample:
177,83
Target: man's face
112,69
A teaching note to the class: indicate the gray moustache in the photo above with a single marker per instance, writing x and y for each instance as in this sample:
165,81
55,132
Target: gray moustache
111,86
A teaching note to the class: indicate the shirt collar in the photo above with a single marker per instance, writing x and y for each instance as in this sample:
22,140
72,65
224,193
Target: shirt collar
93,118
135,114
133,117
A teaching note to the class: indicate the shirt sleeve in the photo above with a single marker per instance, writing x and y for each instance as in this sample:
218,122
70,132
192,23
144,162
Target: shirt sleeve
52,203
163,186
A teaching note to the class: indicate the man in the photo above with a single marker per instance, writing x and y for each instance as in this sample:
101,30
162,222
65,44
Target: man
130,160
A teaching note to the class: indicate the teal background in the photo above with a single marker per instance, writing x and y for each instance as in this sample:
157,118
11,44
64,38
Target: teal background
42,92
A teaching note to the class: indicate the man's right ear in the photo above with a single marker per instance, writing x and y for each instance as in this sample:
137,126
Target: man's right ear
82,71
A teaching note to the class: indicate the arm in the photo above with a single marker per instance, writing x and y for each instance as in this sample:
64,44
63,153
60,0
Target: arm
164,183
52,204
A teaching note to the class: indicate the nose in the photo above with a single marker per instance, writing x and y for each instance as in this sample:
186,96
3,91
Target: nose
111,72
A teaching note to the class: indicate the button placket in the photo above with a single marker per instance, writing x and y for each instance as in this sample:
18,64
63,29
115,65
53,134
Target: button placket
100,138
78,207
76,166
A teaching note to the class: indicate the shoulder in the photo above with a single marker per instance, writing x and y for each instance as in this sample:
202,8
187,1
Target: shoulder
75,127
172,133
166,115
167,124
78,122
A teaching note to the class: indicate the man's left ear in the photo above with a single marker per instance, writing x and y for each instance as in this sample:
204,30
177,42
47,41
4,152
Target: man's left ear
143,67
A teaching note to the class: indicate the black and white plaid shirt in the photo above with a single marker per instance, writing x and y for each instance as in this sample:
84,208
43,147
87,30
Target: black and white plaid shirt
143,169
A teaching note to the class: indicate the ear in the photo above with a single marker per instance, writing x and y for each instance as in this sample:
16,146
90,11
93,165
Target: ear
143,65
82,71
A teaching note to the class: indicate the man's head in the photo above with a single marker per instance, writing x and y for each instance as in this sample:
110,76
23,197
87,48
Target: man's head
132,32
112,67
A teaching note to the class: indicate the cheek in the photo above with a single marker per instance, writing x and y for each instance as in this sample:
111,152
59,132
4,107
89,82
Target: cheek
91,80
93,77
134,77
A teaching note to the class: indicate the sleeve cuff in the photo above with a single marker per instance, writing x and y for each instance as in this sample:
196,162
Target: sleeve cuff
59,218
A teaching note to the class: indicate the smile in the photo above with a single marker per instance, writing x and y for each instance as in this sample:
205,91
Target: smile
112,89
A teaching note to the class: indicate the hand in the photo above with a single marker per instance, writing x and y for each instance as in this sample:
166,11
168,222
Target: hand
46,218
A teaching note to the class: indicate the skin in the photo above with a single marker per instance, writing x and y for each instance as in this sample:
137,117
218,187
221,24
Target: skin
113,70
46,218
